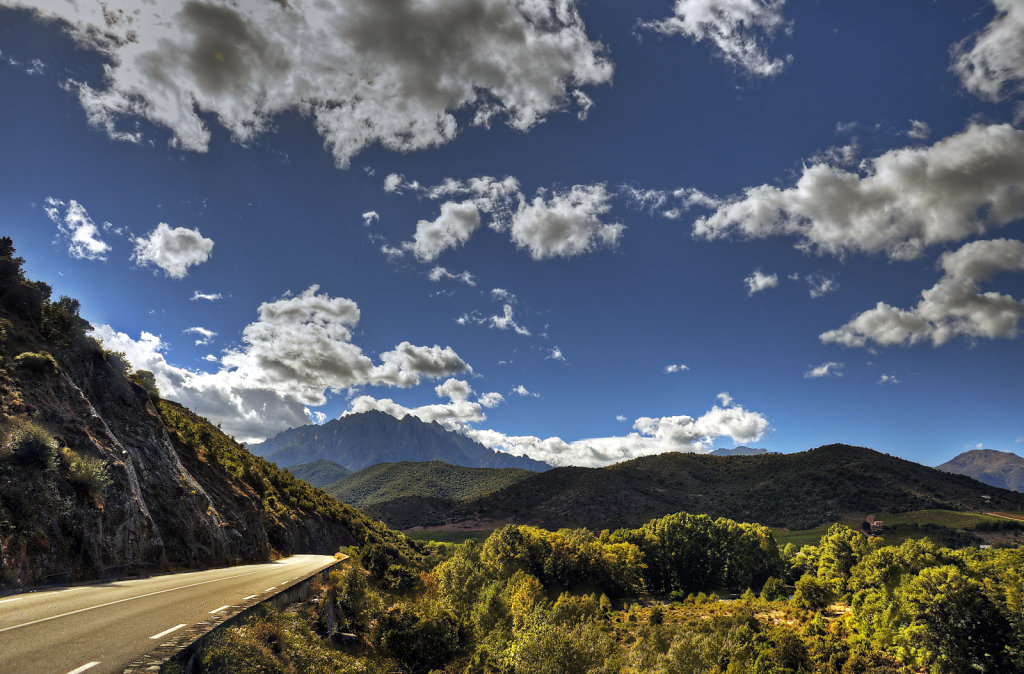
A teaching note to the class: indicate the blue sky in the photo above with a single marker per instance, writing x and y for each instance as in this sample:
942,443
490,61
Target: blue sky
585,232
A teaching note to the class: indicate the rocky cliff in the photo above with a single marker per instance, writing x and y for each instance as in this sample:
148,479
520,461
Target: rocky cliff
99,477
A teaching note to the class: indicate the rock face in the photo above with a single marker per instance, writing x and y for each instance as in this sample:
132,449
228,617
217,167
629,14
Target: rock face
999,469
359,440
168,503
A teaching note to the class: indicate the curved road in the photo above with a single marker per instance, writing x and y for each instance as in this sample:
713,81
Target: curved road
103,627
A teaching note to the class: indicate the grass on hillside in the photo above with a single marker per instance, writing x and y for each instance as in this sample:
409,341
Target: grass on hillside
943,526
458,536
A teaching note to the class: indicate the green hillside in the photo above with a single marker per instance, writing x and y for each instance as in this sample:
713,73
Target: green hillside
796,491
319,473
422,479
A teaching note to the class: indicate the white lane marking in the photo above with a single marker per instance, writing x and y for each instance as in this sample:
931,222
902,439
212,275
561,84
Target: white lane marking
218,610
29,595
270,588
88,665
166,632
251,596
121,601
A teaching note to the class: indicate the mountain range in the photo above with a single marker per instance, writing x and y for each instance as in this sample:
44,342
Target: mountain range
357,441
797,491
999,469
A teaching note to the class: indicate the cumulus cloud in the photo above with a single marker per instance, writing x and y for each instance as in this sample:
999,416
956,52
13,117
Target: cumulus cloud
676,367
829,369
363,71
953,306
919,130
759,281
899,203
567,224
205,334
452,415
299,348
737,30
505,321
888,379
502,295
456,390
173,250
991,63
621,417
555,354
492,399
209,297
370,217
521,390
653,435
441,274
77,228
451,229
819,285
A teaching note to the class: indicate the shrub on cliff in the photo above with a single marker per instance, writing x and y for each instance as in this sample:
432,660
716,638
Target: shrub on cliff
88,473
30,444
39,364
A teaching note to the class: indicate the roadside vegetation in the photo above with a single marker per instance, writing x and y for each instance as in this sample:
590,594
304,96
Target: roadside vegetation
680,594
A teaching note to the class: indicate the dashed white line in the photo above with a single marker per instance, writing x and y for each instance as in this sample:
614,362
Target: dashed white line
218,610
251,596
166,632
270,588
121,601
88,665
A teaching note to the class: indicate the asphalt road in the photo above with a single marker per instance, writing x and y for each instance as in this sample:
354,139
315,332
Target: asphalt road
103,627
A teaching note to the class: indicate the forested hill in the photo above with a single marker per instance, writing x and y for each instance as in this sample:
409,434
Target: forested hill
319,473
798,491
359,440
99,476
999,469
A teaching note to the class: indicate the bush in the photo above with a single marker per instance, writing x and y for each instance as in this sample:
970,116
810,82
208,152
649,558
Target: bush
811,593
773,590
40,364
60,322
89,473
31,445
147,380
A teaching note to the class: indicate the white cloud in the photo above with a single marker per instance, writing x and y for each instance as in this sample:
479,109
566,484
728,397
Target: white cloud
210,297
521,390
297,350
991,63
77,228
456,390
173,250
738,30
316,417
391,252
565,225
453,415
653,436
676,367
829,369
819,285
888,379
759,281
502,295
899,203
555,354
370,217
725,399
210,358
205,335
621,417
451,229
953,306
919,130
492,399
507,321
363,71
441,274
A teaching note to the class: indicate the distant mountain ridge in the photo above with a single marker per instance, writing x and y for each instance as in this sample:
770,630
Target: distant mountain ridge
797,491
357,441
739,451
999,469
319,473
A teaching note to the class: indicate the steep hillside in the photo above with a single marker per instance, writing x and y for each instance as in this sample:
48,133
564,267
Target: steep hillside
98,476
999,469
407,491
360,440
319,473
797,491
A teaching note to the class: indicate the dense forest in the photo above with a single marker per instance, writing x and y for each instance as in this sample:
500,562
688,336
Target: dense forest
680,594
